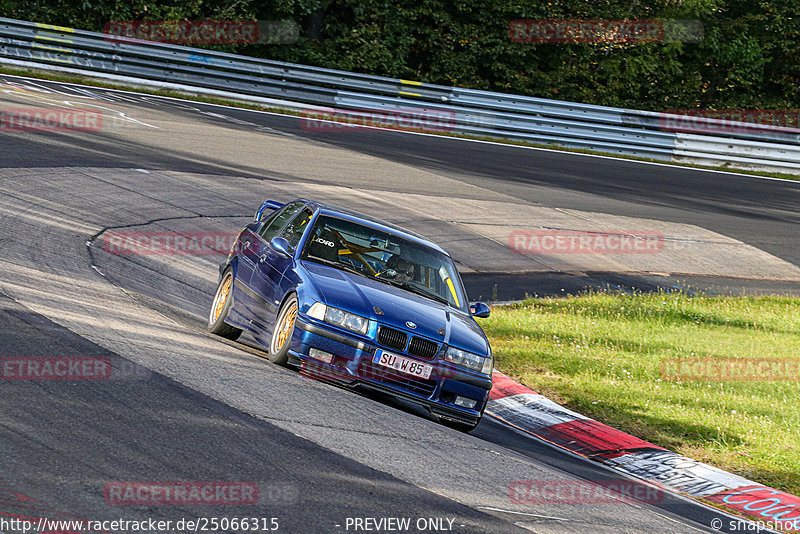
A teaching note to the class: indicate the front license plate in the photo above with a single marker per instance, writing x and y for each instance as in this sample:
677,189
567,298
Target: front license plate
402,364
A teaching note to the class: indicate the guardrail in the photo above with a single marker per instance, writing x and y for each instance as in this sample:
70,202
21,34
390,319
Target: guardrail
474,112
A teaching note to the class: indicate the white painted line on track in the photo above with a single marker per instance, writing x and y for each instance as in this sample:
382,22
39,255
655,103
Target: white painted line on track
538,516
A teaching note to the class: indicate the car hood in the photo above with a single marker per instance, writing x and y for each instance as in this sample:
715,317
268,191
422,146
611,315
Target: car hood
361,295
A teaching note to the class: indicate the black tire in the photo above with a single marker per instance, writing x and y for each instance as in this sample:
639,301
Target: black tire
284,329
223,298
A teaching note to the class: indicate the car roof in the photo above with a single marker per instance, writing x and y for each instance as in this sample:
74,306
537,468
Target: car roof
354,216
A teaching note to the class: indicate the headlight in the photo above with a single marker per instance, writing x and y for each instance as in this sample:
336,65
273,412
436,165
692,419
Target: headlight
469,360
347,320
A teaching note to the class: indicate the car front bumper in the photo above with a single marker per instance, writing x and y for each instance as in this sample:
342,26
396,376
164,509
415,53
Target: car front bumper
352,364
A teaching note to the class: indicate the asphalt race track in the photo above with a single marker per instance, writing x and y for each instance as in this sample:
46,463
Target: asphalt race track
182,405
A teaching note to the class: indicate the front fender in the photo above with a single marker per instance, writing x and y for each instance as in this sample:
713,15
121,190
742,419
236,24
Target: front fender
233,263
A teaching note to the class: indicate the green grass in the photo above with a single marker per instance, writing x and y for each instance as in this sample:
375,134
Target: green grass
601,355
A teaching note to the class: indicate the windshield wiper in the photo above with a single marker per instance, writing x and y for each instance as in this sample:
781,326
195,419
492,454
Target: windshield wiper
415,289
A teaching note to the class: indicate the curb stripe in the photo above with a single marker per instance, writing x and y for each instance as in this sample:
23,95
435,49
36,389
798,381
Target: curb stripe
503,386
531,411
678,472
592,439
522,408
766,503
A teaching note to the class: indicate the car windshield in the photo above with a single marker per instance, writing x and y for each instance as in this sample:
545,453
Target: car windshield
386,257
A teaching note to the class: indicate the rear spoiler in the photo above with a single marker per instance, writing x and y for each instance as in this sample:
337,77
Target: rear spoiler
268,205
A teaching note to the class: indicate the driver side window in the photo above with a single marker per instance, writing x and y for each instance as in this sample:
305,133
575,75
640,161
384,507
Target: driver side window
274,224
297,226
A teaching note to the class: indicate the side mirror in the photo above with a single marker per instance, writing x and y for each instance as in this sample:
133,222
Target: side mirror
480,309
281,246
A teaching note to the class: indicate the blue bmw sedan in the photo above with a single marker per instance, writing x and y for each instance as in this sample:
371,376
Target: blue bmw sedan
354,300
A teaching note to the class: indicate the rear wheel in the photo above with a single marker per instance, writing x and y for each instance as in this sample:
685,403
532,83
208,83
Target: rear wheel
220,307
282,335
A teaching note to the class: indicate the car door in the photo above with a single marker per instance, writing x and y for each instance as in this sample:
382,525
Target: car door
270,264
246,301
243,302
248,253
248,242
293,232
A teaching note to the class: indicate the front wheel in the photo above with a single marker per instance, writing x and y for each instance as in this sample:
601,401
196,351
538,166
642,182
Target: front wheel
220,307
282,335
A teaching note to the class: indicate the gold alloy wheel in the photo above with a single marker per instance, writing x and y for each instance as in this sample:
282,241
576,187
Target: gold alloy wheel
284,328
221,298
